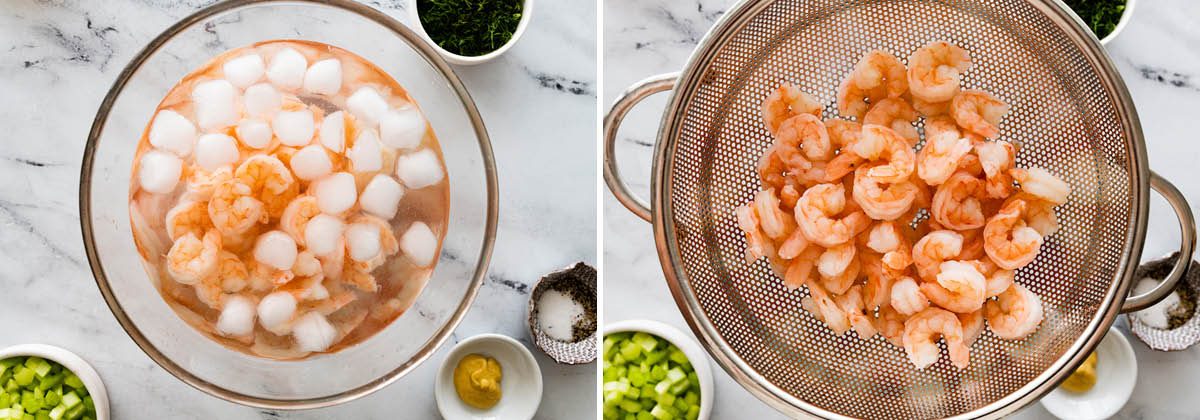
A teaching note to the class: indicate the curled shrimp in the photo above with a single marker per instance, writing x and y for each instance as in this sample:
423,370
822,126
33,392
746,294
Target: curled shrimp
800,269
840,281
856,312
884,236
843,133
756,241
192,258
231,273
1008,240
830,311
879,68
878,289
1042,184
188,217
921,330
959,287
935,69
296,216
979,112
896,114
1015,313
880,202
786,102
907,297
816,211
996,158
233,210
388,244
791,247
891,325
853,100
881,143
998,279
930,109
943,151
270,181
972,326
805,134
771,170
972,248
836,260
774,222
931,250
201,183
1039,214
955,204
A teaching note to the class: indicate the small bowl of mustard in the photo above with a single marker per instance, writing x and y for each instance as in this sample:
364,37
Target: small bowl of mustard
1101,386
488,376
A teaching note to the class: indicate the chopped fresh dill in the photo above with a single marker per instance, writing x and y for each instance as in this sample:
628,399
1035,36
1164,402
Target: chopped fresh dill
470,27
1101,16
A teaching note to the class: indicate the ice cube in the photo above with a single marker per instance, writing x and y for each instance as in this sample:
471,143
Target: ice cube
381,196
214,104
255,134
366,155
367,105
262,100
402,128
322,233
172,132
294,128
275,309
276,249
313,332
333,132
419,244
311,162
287,69
216,150
237,316
245,70
324,77
419,169
336,192
362,239
159,171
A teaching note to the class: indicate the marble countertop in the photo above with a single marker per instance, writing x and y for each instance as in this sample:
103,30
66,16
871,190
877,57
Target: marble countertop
1155,55
57,59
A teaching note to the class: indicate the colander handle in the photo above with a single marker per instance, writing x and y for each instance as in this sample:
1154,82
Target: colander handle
612,121
1187,228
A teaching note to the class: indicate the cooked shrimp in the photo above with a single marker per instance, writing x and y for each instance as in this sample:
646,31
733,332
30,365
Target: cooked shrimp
959,287
878,289
879,202
841,281
896,114
931,250
934,71
880,68
884,236
891,325
836,260
264,277
1015,313
930,109
996,158
771,170
998,279
852,100
972,248
920,332
843,133
306,265
233,210
815,214
979,112
972,326
1008,240
943,151
192,258
830,312
800,269
805,134
296,216
1039,213
231,273
786,102
388,244
907,297
955,205
773,221
270,182
756,241
188,217
856,312
790,194
881,143
845,162
814,175
1042,184
201,183
791,247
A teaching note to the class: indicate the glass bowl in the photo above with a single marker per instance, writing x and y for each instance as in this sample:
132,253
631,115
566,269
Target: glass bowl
323,379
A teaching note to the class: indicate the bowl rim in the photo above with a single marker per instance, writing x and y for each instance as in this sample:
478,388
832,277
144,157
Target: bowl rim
690,347
1126,16
423,48
73,362
524,353
469,60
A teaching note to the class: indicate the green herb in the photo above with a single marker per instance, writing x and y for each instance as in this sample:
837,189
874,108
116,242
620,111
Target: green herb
1101,16
470,27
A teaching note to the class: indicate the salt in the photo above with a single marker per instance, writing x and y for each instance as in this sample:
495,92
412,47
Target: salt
558,314
1159,315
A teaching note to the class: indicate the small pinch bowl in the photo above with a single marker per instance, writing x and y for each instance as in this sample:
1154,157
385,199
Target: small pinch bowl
1116,375
1126,16
133,296
467,60
695,354
520,381
71,361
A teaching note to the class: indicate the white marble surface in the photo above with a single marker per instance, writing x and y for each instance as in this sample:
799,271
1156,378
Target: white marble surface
57,59
1156,56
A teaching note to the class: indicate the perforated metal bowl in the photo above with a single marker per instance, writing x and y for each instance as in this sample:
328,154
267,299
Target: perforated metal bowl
1071,111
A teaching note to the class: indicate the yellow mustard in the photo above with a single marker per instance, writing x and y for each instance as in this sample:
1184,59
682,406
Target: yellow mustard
477,380
1084,378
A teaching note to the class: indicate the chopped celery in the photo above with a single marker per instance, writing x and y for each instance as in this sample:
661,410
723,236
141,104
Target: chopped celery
658,373
693,412
57,412
10,362
660,413
31,402
692,398
630,350
5,399
75,412
633,393
677,356
11,386
70,399
51,381
53,398
629,416
679,387
681,405
42,415
636,378
666,399
16,411
24,376
647,341
647,378
4,412
662,388
89,404
73,381
654,357
39,365
645,415
675,375
631,406
27,416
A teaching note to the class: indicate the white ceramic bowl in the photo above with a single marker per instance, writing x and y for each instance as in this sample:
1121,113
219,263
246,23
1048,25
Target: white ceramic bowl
72,362
1116,374
1121,24
520,381
695,354
415,21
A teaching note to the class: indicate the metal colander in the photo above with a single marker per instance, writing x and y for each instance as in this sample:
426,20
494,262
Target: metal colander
1070,111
